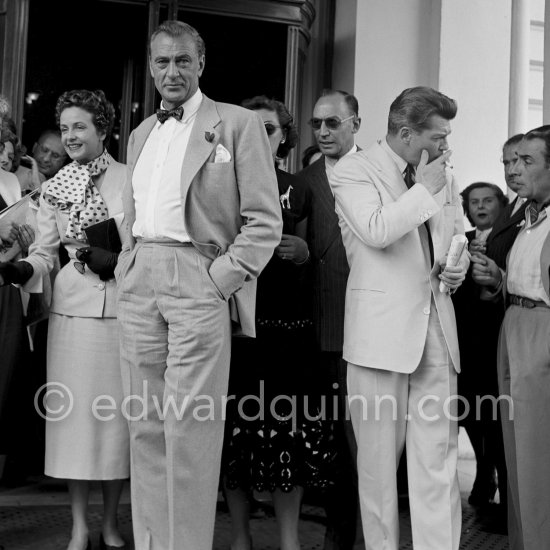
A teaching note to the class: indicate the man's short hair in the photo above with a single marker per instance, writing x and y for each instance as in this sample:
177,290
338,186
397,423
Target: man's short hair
465,194
350,99
514,140
413,107
179,28
49,132
542,132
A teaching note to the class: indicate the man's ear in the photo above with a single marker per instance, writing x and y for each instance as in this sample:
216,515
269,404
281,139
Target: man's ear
356,124
202,63
405,134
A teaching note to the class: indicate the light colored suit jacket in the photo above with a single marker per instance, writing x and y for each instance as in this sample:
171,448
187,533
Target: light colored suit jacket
76,294
389,291
231,209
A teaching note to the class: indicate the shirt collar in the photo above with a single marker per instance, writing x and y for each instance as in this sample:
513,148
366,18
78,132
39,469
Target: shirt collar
483,234
401,163
332,161
190,107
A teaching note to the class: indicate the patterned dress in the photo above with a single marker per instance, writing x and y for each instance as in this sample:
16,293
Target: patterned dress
276,437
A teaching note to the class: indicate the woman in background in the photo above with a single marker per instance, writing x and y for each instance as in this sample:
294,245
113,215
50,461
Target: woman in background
283,451
83,356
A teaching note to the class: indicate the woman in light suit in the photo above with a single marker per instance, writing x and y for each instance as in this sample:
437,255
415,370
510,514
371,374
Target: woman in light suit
83,441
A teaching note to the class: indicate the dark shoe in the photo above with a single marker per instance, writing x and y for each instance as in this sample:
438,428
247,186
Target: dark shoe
494,519
103,546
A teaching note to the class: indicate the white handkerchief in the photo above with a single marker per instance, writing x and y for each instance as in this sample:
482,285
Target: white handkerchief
222,154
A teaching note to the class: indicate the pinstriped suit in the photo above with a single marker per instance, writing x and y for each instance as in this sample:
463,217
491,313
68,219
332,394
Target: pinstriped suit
330,272
328,256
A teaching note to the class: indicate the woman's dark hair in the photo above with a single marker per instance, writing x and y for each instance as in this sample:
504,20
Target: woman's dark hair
102,110
285,120
465,194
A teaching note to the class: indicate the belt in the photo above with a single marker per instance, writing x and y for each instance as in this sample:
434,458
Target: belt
525,302
163,242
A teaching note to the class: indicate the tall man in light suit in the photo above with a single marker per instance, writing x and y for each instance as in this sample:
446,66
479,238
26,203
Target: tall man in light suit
400,333
203,218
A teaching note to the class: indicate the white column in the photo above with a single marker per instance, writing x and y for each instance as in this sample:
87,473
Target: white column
519,68
546,68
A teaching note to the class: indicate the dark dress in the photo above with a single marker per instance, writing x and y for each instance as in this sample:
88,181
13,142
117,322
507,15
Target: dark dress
273,439
13,352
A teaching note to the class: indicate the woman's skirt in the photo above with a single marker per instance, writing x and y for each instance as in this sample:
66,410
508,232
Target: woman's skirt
87,435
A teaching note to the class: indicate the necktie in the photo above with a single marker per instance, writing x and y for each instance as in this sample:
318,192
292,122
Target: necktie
534,211
163,115
409,177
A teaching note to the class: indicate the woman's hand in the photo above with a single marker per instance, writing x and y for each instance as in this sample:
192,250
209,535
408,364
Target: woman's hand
485,272
477,246
8,232
100,261
35,173
25,237
292,248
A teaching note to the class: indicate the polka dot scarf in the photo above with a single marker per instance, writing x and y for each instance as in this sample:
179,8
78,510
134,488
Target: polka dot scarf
73,189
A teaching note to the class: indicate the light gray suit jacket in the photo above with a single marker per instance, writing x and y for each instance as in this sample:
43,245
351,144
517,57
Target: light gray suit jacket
388,296
230,209
75,294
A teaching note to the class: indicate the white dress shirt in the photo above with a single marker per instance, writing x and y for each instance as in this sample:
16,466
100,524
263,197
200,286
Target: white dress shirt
524,276
156,180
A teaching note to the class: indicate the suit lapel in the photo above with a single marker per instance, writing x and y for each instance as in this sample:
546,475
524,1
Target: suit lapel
545,265
141,137
517,218
199,148
390,175
328,226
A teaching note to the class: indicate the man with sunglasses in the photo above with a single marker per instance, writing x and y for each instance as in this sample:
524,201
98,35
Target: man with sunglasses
334,123
399,209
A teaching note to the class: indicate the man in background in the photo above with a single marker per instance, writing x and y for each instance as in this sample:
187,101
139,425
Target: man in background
334,123
48,156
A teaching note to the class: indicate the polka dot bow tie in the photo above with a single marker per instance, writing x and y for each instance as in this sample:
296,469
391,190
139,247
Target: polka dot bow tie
163,115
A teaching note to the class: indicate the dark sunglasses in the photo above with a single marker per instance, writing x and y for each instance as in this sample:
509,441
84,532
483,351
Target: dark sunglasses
331,122
270,128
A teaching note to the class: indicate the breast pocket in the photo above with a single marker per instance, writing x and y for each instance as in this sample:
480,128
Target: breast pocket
219,173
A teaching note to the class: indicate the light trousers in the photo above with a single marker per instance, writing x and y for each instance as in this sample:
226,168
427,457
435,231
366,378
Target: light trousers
175,352
524,375
389,410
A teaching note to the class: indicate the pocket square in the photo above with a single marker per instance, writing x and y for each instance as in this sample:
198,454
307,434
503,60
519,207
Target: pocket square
222,154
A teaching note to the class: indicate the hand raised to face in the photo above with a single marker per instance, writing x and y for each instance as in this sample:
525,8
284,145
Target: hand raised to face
433,176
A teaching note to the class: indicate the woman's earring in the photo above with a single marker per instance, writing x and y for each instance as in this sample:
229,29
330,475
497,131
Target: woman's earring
283,140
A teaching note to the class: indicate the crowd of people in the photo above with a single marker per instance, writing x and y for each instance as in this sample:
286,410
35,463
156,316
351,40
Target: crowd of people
217,323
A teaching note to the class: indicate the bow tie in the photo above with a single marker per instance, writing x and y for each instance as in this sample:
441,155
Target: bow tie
163,115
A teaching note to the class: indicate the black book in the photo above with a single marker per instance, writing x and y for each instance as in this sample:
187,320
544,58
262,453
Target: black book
105,235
